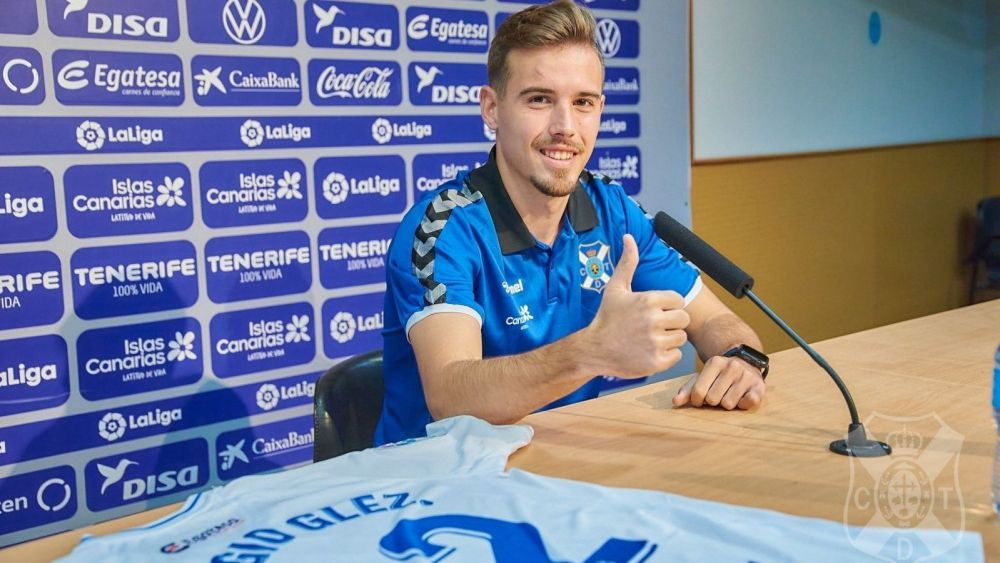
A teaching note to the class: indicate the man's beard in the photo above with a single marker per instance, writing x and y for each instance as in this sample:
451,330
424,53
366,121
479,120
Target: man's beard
560,186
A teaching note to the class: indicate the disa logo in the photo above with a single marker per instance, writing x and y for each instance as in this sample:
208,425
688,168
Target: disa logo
366,36
123,25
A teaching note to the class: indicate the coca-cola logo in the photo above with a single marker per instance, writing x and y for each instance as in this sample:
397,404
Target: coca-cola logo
371,82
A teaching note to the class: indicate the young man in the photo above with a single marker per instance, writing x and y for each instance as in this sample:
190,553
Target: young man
513,287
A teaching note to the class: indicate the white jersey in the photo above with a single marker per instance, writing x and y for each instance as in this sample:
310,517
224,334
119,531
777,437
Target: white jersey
447,497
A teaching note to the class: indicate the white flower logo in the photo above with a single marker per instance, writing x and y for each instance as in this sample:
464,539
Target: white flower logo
298,329
90,135
171,193
382,131
111,427
630,167
268,396
252,133
288,185
342,327
335,187
182,347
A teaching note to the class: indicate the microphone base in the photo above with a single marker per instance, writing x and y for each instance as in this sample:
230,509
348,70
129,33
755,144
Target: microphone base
857,444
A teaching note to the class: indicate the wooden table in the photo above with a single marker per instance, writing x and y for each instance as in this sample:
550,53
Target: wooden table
936,369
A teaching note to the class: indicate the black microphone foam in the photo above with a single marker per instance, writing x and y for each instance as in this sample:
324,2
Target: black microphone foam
718,267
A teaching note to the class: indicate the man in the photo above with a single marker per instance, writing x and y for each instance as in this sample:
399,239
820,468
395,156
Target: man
515,286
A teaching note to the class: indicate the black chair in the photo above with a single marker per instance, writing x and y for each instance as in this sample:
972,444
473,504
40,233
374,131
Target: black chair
986,248
347,405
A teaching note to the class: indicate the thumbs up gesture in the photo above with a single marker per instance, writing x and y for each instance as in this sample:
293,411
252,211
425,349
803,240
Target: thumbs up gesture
637,333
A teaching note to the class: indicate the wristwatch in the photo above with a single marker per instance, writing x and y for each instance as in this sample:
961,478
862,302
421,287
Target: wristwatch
753,357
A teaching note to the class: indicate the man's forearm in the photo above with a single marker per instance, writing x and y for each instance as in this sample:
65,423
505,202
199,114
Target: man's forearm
505,389
721,333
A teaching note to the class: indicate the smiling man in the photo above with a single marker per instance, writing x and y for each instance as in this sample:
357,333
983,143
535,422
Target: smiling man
515,286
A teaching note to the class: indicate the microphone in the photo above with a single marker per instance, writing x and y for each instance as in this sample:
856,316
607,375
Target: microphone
739,284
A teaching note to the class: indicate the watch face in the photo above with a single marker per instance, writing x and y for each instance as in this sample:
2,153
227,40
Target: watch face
754,355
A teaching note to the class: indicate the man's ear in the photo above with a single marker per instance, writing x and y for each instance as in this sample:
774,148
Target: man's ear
488,100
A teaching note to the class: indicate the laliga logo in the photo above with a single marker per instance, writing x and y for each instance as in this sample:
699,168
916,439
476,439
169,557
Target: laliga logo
111,427
335,187
244,21
382,131
342,327
609,37
252,133
90,135
268,396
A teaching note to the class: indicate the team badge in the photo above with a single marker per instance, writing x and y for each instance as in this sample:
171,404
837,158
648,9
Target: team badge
597,268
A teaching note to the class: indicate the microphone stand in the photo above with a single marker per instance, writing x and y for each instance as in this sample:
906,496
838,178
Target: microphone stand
857,443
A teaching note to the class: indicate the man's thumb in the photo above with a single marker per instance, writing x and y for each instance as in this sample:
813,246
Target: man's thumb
625,269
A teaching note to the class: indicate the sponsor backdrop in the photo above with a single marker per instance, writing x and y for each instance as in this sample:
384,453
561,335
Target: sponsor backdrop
196,198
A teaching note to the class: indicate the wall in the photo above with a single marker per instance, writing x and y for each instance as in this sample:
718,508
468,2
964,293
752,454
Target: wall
843,242
991,115
843,172
784,76
208,368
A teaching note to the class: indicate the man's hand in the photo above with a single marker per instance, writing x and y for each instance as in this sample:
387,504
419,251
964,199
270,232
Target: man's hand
636,334
725,382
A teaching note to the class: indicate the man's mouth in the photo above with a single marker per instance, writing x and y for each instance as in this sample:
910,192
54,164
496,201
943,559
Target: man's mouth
558,154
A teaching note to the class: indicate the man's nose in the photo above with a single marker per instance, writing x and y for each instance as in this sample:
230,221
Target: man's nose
561,122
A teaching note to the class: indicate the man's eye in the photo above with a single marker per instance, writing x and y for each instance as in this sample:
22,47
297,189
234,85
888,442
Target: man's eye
587,102
537,100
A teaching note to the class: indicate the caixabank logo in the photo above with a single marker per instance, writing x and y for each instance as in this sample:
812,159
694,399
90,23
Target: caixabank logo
243,22
30,289
125,360
262,339
146,474
351,25
256,266
273,133
246,81
357,186
22,80
118,79
351,256
621,164
35,499
353,324
114,281
253,192
264,448
149,20
125,199
21,18
343,82
92,136
27,204
446,84
438,29
621,85
432,170
34,374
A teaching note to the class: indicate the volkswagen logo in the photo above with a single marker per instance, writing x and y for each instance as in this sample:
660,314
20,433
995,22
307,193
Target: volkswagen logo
609,37
244,21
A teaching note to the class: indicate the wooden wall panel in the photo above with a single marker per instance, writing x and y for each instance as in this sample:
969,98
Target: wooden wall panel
841,242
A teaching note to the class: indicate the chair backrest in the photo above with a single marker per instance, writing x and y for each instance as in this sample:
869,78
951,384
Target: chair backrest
988,235
347,406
